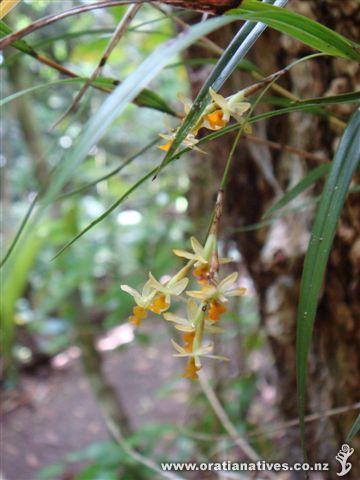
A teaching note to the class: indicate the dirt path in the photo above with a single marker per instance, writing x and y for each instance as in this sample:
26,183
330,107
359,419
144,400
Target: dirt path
59,414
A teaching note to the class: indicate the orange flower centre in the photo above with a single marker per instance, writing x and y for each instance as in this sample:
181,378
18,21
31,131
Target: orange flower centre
188,338
201,274
138,315
159,304
215,119
216,309
191,370
166,146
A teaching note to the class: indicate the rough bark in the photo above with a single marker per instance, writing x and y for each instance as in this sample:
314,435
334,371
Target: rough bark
274,256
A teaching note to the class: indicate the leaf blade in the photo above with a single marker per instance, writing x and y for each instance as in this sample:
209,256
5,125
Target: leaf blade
333,197
305,183
302,28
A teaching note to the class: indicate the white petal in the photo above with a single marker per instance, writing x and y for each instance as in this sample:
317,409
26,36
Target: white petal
155,283
177,347
184,328
217,357
170,317
237,292
184,254
223,260
196,294
147,289
240,108
179,286
197,247
192,310
131,291
185,101
218,99
228,281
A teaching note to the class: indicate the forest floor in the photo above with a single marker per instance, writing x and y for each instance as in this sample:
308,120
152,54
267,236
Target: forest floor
53,412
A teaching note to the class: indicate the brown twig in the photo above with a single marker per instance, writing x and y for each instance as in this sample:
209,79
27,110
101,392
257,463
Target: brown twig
273,429
43,22
225,421
116,37
287,148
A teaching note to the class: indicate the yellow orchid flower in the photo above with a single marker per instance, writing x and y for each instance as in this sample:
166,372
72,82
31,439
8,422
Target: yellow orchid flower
191,370
171,287
202,254
189,142
226,288
189,324
203,351
223,108
143,299
155,297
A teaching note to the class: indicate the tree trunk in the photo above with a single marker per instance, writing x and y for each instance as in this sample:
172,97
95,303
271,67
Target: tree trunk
274,256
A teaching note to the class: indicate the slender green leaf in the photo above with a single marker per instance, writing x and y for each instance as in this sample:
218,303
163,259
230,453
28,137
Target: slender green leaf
38,88
305,183
207,138
112,172
354,430
227,63
14,285
348,97
116,102
145,98
345,163
21,45
302,28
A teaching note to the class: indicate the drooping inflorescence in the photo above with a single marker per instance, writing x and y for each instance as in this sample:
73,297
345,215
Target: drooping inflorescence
205,305
216,116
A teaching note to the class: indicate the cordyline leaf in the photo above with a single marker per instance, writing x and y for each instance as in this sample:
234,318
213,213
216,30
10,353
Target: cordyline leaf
302,28
227,63
345,163
305,183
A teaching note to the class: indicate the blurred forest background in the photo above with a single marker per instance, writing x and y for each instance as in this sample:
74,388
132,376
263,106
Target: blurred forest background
80,373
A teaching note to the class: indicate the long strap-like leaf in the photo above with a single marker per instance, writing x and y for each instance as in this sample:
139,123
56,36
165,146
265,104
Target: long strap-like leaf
354,430
227,63
345,163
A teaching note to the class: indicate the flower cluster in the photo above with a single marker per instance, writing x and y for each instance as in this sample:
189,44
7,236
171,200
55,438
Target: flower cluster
216,116
204,305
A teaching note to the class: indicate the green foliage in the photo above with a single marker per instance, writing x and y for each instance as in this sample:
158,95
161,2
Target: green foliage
305,183
97,172
342,169
16,280
302,28
354,430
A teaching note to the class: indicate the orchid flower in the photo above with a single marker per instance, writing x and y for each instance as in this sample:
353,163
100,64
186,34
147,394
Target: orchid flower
202,254
155,297
224,108
188,324
224,289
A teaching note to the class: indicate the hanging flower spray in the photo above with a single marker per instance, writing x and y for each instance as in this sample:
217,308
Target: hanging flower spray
205,305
